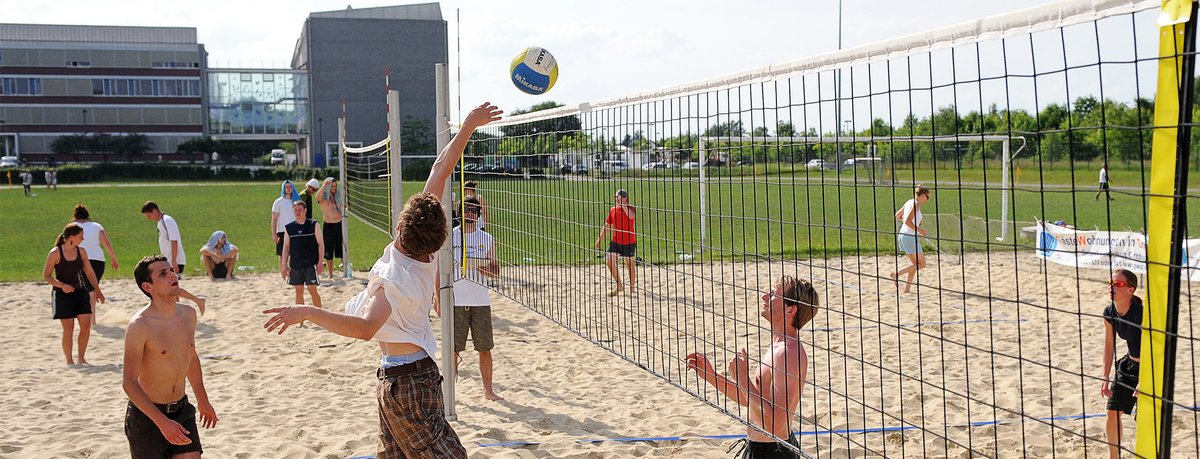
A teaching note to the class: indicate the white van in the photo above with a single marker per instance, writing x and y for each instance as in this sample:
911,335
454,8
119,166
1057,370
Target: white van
277,156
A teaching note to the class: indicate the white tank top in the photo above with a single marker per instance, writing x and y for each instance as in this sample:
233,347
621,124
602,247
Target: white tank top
908,209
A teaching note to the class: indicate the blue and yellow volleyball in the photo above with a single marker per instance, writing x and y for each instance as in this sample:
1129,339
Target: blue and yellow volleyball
534,70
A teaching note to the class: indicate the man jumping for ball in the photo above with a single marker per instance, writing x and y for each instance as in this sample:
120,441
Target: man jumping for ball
394,310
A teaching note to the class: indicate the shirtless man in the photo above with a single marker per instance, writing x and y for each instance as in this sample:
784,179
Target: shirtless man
772,392
160,352
394,310
329,199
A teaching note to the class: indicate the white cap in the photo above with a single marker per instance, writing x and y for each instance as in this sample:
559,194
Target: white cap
313,183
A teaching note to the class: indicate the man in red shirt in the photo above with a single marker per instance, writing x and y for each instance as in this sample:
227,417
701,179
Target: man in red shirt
624,240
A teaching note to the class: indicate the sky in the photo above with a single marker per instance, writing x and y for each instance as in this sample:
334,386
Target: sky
604,48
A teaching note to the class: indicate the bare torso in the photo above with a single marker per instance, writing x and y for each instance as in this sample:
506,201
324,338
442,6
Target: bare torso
788,352
167,352
329,211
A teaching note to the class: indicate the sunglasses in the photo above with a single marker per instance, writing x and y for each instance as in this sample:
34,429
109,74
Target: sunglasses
1119,284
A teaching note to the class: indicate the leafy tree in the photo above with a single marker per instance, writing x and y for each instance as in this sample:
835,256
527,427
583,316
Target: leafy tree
785,129
69,144
726,129
561,126
416,137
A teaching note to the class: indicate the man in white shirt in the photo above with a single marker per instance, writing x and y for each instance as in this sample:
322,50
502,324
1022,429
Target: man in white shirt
170,244
472,304
394,310
281,213
1104,183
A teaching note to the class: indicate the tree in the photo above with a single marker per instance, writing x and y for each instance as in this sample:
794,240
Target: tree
69,144
726,129
760,131
131,146
416,137
785,129
561,126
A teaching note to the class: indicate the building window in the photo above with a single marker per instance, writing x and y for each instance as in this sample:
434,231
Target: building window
146,87
79,64
21,86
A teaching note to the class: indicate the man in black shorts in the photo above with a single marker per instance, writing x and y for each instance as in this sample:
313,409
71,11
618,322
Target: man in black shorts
1122,318
302,247
620,220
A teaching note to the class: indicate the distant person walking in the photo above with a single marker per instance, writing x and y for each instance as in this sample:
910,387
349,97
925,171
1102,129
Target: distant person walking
281,213
908,238
330,201
94,238
1104,183
170,243
27,182
67,261
620,221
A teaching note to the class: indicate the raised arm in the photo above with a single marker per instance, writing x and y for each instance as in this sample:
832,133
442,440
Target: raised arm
321,192
112,253
363,328
449,156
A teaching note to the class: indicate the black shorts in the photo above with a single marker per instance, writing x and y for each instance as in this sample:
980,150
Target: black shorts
303,276
220,270
179,270
147,441
770,449
1124,386
71,305
98,268
1103,186
331,234
279,245
624,250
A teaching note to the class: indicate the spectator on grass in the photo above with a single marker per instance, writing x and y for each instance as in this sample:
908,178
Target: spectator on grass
170,244
27,182
220,256
772,391
1104,183
93,238
310,190
1122,318
67,261
910,218
281,213
620,221
301,260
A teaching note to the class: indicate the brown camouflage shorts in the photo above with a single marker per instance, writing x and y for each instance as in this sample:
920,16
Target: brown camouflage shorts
478,321
412,423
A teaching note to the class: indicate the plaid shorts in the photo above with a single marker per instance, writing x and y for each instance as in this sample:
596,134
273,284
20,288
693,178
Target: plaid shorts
412,423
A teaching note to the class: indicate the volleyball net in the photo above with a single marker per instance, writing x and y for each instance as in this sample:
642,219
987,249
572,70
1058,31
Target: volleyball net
372,174
799,169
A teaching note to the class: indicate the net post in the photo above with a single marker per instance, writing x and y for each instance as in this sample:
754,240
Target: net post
446,255
1005,173
344,204
396,178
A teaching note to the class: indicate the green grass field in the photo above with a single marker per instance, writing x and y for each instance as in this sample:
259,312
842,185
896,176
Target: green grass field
557,221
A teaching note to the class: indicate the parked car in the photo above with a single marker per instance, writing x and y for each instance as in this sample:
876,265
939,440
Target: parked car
691,165
581,169
653,166
818,164
8,161
277,157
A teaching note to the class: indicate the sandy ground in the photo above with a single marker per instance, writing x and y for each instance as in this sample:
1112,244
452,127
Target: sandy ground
1022,364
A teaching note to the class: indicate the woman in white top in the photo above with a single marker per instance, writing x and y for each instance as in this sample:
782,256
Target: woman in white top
910,218
93,238
281,213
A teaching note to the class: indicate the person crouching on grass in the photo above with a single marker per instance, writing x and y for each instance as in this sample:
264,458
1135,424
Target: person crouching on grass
394,310
301,260
772,392
1122,318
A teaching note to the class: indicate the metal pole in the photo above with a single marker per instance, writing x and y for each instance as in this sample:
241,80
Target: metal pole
342,202
446,257
703,199
395,150
837,96
1004,177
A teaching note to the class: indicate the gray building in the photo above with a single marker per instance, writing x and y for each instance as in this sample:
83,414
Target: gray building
355,55
58,80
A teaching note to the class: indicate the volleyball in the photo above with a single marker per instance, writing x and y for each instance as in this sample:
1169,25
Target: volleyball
534,70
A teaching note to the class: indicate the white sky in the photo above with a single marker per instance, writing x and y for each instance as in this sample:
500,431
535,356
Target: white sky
604,48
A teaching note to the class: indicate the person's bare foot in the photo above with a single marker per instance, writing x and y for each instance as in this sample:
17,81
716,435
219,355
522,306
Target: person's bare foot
83,362
492,396
70,363
895,279
616,292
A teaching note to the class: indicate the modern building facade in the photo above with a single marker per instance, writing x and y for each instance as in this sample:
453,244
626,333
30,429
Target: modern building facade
354,56
62,80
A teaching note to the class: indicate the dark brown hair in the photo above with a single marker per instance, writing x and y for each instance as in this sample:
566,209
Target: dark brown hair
149,206
920,190
470,185
421,228
68,231
1129,276
81,212
141,272
800,293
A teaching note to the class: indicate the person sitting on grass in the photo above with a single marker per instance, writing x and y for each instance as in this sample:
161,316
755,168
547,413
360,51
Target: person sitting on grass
219,256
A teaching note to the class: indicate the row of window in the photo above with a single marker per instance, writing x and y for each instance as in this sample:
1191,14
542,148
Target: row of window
145,87
172,65
21,86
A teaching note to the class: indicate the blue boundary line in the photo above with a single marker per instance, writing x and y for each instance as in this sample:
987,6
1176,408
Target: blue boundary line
802,433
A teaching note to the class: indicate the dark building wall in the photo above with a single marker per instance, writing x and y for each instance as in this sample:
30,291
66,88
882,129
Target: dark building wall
347,59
